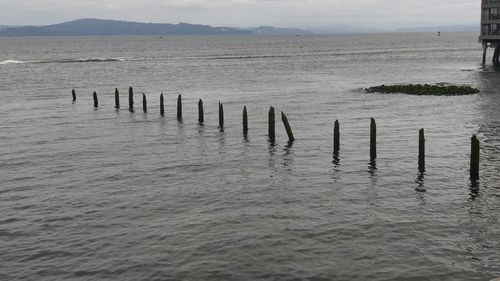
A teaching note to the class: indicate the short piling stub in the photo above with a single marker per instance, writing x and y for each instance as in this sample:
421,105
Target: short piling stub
144,103
179,107
221,117
336,137
288,128
96,103
474,159
131,99
73,94
245,121
373,139
271,125
162,105
201,117
117,98
421,151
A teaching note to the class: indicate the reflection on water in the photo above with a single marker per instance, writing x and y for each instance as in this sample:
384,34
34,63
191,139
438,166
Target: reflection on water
420,182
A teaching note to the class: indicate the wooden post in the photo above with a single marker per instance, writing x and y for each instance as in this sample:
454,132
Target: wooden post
131,99
179,107
485,48
162,105
221,117
144,103
96,104
117,98
373,140
421,151
287,127
73,93
245,121
336,137
271,125
201,117
474,159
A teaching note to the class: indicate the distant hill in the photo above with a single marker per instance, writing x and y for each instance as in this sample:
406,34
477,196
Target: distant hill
96,27
270,30
92,27
342,28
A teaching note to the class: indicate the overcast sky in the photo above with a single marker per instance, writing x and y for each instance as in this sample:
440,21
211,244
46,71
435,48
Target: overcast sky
244,13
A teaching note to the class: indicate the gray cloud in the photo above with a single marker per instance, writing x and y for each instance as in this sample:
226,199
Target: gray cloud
374,13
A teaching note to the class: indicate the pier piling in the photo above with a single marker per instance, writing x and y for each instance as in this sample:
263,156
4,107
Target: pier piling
336,137
96,103
245,121
117,99
162,105
201,117
221,117
474,159
179,107
421,151
288,128
373,139
271,125
73,93
131,99
144,103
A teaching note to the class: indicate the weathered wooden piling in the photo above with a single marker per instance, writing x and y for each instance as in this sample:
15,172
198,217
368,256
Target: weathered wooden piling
131,99
474,159
201,116
73,93
162,105
421,151
245,121
96,103
373,140
221,117
288,129
336,137
179,107
144,103
271,125
117,99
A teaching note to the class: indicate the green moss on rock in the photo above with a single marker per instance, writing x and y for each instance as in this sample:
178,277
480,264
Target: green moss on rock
425,89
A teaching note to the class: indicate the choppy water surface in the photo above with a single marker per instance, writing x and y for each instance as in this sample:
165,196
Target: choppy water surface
108,195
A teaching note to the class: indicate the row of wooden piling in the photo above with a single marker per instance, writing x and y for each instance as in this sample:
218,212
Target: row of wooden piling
475,145
201,118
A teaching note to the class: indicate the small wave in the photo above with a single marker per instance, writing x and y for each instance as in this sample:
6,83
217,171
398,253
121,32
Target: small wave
11,62
247,57
91,59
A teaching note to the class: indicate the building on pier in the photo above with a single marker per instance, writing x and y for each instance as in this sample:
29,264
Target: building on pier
490,27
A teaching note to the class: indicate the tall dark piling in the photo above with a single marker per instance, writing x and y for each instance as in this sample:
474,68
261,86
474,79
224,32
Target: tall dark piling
144,103
221,117
179,107
421,151
73,93
131,99
201,116
117,99
288,129
336,137
271,125
373,140
474,159
245,121
96,103
162,105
